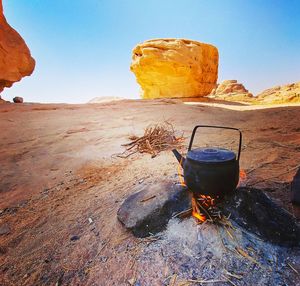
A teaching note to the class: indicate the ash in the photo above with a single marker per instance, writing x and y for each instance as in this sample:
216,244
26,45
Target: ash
186,251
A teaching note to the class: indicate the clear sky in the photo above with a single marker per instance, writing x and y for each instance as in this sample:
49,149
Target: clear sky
83,47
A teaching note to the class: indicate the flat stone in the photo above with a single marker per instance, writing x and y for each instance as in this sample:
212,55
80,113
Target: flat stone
74,238
149,209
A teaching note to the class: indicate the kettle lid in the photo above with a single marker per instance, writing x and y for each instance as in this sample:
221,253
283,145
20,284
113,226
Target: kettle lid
211,155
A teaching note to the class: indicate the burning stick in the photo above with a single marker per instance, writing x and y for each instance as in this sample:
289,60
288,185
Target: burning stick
196,211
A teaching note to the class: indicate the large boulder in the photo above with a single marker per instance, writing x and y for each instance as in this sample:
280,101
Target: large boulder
16,61
175,68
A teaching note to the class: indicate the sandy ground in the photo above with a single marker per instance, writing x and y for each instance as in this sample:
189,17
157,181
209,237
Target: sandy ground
58,169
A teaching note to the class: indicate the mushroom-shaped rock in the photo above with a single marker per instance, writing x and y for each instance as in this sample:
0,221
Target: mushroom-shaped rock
168,68
16,61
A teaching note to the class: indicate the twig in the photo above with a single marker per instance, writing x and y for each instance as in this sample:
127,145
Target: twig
183,214
205,281
246,255
173,280
206,212
126,156
233,275
228,280
147,199
295,270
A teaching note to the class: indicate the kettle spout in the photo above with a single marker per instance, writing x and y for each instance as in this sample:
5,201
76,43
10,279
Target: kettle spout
179,157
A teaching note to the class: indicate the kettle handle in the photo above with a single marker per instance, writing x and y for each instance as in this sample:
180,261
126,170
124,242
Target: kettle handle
220,127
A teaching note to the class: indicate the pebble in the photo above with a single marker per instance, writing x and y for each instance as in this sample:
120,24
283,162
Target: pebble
4,229
103,259
75,237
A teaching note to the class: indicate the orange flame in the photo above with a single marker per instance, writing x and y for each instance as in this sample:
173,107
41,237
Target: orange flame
196,213
204,201
200,217
243,177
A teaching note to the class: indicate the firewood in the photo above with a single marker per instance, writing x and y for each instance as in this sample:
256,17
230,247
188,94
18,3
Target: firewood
156,138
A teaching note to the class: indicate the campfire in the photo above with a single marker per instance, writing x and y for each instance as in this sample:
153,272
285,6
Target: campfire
204,207
238,227
210,191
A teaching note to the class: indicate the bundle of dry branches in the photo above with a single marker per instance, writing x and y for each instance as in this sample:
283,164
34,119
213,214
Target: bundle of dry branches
156,138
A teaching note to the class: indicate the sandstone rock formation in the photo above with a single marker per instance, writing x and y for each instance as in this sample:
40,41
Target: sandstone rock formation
281,94
168,68
16,61
231,90
105,99
2,100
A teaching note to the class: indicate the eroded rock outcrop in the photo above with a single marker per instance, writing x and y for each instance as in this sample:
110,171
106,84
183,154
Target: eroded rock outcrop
2,100
16,61
281,94
168,68
231,90
105,99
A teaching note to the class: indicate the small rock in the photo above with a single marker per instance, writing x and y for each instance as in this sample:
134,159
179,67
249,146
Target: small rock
90,220
18,99
131,281
103,259
148,211
75,237
4,229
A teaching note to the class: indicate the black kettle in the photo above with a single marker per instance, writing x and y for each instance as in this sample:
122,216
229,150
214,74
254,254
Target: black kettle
210,171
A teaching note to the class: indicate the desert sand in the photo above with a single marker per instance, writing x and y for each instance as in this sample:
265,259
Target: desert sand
62,184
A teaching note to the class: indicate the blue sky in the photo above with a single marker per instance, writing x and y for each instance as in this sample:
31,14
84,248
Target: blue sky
83,47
